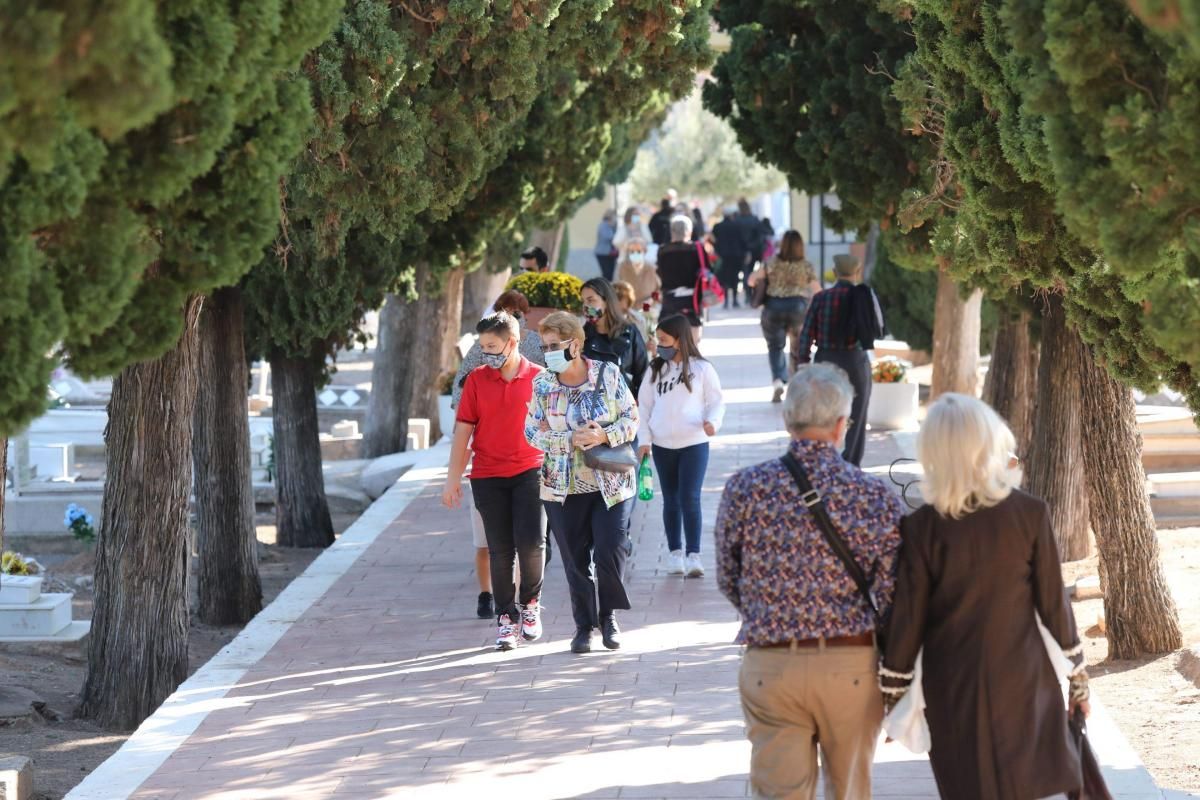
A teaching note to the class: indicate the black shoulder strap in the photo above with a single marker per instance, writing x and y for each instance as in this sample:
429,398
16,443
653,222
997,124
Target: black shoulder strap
812,499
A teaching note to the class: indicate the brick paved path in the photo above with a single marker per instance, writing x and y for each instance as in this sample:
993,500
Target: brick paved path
387,685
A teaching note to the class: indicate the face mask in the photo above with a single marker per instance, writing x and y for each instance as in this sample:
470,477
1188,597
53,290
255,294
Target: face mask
637,258
495,360
667,353
635,220
592,313
558,360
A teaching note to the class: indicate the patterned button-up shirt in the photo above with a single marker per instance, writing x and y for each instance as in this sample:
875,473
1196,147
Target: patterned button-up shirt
827,322
557,411
774,564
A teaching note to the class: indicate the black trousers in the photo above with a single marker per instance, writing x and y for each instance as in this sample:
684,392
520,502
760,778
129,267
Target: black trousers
858,367
588,532
608,266
511,509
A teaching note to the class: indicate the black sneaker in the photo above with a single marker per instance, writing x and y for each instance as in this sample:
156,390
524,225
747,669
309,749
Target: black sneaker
484,609
609,631
582,643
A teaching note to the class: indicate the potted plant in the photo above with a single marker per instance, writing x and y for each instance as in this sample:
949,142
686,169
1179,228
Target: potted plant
546,292
893,399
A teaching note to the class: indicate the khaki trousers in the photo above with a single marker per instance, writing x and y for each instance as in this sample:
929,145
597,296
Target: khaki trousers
799,700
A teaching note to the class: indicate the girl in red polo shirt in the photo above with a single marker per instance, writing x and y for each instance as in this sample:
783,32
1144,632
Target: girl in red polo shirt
505,475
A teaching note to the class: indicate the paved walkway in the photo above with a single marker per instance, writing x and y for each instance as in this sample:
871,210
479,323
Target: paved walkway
370,677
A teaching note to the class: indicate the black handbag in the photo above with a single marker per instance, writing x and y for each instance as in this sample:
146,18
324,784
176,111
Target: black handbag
816,506
1094,787
759,298
605,457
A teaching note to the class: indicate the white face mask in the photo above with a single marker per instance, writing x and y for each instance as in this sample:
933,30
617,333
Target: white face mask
637,258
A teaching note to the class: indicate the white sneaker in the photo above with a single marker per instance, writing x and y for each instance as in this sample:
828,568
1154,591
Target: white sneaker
694,568
531,621
506,633
779,389
675,563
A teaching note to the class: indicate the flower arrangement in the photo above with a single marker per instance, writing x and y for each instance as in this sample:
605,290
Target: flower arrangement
80,523
16,564
549,289
889,369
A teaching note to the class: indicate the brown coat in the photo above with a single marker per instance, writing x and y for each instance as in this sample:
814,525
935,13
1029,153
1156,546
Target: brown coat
967,591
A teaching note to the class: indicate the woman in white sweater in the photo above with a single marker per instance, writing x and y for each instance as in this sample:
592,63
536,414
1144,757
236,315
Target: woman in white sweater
681,406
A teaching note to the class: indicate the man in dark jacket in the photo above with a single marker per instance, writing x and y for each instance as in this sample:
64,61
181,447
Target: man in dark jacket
841,340
660,223
730,243
752,234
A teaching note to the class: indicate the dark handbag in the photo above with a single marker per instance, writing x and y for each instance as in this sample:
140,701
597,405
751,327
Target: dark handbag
605,457
759,298
1094,787
816,506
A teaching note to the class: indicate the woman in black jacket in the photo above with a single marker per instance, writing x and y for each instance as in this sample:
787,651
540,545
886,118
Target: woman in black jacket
609,336
679,266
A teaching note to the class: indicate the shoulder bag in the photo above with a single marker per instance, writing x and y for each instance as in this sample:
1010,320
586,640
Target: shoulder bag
605,457
816,506
759,298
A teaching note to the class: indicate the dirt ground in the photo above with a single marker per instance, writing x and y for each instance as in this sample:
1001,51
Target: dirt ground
64,749
1154,706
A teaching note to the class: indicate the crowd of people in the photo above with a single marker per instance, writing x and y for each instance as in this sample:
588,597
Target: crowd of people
850,605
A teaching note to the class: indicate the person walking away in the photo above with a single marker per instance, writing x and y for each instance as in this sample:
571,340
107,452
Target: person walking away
609,336
731,253
752,235
679,267
490,431
808,675
699,228
636,270
579,404
997,720
660,223
606,252
829,324
681,408
791,284
769,245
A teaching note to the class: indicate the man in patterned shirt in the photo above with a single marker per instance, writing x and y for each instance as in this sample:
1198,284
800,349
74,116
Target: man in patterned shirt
828,324
808,673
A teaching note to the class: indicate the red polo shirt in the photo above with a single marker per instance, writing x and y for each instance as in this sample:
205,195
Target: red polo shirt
497,408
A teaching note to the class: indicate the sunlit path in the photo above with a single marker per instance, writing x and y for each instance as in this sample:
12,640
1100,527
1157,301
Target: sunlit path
386,685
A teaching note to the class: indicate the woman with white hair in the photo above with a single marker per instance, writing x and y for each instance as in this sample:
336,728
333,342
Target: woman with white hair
679,266
979,562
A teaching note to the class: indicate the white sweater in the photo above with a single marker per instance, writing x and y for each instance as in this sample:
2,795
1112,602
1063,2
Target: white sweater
671,416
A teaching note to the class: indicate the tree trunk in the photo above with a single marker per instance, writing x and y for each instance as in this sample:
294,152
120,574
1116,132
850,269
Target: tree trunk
871,256
955,339
1054,466
301,510
1011,383
386,427
549,240
138,648
481,288
227,578
433,352
1138,608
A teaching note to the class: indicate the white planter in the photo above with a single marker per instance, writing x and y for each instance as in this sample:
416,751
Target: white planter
446,415
893,406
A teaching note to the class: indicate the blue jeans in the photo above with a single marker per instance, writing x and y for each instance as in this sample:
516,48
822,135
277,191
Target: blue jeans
782,320
680,478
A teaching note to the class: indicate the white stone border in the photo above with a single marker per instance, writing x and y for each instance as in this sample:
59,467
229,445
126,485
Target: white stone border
179,716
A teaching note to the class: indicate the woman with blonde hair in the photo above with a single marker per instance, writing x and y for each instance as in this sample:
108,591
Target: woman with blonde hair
581,404
791,282
638,271
978,569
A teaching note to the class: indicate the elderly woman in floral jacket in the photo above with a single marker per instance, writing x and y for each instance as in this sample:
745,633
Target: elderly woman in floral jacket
579,404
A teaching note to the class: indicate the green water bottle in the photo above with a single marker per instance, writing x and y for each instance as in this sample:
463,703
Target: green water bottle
645,479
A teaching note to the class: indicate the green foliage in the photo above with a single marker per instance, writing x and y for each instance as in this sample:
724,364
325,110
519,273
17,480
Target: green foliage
697,153
907,298
807,86
549,289
140,151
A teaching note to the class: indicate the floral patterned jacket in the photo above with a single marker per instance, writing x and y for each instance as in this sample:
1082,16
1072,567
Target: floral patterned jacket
557,410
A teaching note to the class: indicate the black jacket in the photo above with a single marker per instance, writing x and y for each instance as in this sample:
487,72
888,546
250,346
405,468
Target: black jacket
627,350
660,227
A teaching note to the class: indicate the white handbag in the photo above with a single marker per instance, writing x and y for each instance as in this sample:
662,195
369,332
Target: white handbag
906,722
